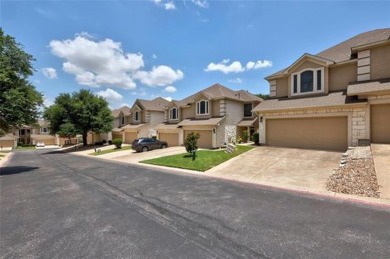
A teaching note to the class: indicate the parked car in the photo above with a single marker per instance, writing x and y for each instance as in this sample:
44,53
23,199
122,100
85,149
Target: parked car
146,144
40,144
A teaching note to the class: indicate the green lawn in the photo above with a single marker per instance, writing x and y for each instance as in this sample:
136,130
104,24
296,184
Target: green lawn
109,151
24,148
205,159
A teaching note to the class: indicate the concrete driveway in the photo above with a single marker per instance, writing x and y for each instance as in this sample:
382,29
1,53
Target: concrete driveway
282,167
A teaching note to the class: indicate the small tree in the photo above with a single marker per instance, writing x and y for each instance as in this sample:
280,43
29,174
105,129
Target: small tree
191,142
256,138
245,136
117,142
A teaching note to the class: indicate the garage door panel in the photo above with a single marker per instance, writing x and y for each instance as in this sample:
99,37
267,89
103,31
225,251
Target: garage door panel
130,137
205,140
330,133
171,138
380,123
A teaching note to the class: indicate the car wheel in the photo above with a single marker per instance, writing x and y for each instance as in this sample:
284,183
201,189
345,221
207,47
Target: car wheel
145,149
164,146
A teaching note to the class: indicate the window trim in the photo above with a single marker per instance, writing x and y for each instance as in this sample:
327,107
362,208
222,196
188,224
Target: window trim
177,113
207,104
251,110
43,130
315,81
136,114
122,120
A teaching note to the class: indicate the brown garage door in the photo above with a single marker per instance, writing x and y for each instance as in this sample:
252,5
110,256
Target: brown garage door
205,140
7,143
48,141
380,123
130,136
171,138
330,133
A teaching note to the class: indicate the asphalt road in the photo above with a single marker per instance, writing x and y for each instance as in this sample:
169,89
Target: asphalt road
56,205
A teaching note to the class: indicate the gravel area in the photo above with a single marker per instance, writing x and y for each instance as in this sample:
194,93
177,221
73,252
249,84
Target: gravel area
356,175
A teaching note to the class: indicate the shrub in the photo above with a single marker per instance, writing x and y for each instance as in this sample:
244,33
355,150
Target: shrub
256,138
245,136
117,142
191,142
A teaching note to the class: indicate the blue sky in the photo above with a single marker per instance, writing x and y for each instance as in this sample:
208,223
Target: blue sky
125,50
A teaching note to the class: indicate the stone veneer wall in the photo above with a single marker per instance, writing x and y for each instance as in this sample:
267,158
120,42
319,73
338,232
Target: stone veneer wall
235,113
357,117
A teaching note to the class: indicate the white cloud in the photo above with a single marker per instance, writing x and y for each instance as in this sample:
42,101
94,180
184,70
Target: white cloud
47,101
49,72
169,6
234,67
258,64
95,63
159,76
236,80
201,3
110,95
170,89
154,56
168,98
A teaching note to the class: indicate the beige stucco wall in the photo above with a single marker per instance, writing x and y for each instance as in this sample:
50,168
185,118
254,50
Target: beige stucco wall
380,62
282,87
304,65
188,112
341,76
215,107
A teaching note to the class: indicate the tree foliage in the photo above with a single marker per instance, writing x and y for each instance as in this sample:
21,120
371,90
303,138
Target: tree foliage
19,100
191,142
263,96
79,113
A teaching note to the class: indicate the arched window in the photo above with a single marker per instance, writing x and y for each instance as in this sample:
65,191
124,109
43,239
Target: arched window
202,107
307,81
174,113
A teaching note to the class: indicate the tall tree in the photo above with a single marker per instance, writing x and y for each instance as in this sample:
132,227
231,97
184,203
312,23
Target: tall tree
19,100
79,113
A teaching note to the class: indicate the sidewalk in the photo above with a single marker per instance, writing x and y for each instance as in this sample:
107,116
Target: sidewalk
381,156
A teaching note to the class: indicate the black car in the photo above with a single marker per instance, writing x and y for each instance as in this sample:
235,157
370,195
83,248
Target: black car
146,144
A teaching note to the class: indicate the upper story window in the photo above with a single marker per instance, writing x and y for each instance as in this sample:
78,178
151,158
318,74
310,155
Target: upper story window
122,120
43,130
307,81
174,113
247,110
202,107
136,116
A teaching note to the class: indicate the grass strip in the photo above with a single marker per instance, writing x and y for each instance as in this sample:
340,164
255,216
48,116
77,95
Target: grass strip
205,159
107,151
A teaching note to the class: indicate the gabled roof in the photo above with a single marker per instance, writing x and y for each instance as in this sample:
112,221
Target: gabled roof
124,109
369,88
218,92
202,122
343,51
332,99
157,104
8,137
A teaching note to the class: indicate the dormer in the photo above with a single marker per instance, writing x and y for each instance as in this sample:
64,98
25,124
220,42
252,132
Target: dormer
136,111
307,76
172,112
203,105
